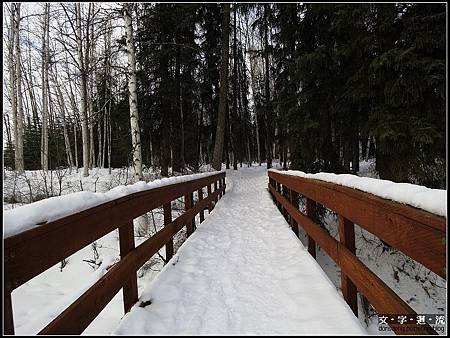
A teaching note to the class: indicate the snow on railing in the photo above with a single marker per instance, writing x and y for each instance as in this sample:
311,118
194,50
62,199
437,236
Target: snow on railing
50,209
431,200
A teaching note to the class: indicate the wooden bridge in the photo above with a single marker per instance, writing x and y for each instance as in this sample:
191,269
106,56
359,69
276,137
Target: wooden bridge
416,233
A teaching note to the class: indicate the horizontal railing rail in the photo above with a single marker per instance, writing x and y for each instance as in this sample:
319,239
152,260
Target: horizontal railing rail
30,253
417,233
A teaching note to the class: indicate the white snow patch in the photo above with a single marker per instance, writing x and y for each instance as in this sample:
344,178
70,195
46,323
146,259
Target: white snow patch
431,200
35,214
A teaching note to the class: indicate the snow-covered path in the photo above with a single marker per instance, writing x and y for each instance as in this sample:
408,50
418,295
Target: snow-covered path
243,271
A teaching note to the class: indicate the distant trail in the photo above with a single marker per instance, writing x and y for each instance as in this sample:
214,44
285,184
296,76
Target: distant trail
243,271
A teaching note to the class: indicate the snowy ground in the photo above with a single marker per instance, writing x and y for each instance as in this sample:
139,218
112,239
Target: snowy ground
242,272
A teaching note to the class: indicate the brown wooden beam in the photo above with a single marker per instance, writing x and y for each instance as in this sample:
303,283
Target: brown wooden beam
126,241
417,233
294,202
167,207
347,239
200,197
311,213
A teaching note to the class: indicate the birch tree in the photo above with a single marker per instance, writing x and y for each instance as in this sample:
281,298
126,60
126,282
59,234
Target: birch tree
83,92
19,137
90,62
12,71
132,93
45,62
62,109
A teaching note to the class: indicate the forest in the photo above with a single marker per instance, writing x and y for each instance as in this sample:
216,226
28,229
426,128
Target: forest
174,87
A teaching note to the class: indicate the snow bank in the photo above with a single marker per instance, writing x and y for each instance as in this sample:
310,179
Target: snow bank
32,215
431,200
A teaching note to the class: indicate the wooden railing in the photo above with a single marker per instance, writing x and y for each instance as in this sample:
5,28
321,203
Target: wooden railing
417,233
32,252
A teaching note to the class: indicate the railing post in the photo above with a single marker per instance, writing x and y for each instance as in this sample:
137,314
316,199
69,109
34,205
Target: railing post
273,184
278,189
167,220
285,192
200,198
347,238
224,186
190,226
220,187
210,203
311,213
215,189
126,240
7,289
8,314
294,202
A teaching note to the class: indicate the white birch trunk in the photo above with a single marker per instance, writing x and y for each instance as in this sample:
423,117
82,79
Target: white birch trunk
29,81
19,138
45,57
132,92
88,54
83,90
75,145
107,91
12,73
62,108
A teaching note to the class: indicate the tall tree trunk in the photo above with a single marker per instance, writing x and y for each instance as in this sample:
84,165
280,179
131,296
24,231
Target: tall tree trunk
234,119
199,135
91,129
30,82
12,75
100,120
108,89
30,89
7,128
364,144
228,146
254,90
347,155
75,144
177,119
355,160
165,106
62,108
109,138
45,62
83,93
258,144
19,145
268,113
90,62
132,89
220,131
